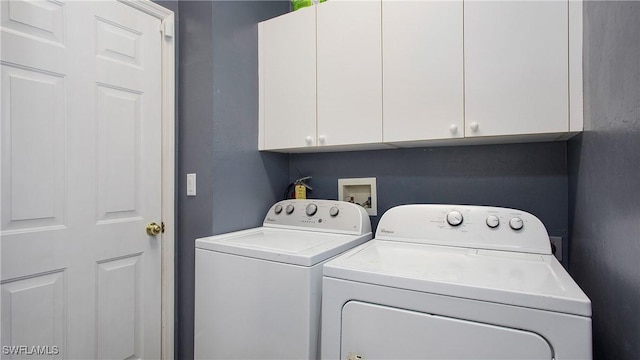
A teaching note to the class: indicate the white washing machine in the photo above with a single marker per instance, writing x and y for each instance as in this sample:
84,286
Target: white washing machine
453,282
258,291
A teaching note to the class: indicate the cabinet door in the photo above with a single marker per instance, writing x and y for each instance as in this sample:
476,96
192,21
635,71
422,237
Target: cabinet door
422,70
349,72
516,67
288,80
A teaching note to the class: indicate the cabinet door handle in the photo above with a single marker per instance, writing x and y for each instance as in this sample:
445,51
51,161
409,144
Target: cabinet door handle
453,128
322,139
474,126
309,140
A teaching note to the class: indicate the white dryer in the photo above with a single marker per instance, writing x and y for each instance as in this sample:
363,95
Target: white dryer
453,282
258,291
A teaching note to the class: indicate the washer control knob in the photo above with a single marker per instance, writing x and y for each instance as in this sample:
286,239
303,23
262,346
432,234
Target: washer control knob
493,221
278,209
516,223
290,209
311,209
454,218
334,211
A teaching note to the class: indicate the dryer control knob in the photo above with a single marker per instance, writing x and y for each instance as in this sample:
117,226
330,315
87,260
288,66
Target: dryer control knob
334,211
493,221
454,218
516,223
311,209
290,209
278,209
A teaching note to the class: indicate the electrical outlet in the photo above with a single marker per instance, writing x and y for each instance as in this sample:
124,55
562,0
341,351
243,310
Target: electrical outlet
556,246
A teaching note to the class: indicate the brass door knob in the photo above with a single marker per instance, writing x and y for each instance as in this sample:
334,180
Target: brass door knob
153,229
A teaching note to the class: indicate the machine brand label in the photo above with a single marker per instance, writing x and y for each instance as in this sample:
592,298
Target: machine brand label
385,231
270,219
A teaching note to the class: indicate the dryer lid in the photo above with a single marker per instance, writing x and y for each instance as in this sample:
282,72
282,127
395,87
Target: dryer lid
296,247
520,279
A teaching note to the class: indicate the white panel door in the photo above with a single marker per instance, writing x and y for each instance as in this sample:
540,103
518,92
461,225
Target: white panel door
422,70
382,332
288,80
349,72
516,67
81,152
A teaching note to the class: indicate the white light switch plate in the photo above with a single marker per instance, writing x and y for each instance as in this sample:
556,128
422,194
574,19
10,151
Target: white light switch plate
191,184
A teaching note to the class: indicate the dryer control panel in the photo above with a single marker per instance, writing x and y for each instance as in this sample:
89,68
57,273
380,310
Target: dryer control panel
319,215
476,227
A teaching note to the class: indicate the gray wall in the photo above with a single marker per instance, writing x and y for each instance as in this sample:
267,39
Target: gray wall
604,178
530,177
246,183
217,140
218,136
195,153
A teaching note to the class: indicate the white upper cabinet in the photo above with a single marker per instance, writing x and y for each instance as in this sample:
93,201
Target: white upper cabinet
287,51
349,72
365,74
422,52
516,67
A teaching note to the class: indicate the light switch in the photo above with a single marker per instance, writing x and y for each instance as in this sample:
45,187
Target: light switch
191,184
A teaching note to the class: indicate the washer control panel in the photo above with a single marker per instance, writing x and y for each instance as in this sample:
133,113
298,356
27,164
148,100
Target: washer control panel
478,227
319,215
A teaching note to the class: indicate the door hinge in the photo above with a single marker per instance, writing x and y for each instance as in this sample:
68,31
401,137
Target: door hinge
167,28
162,227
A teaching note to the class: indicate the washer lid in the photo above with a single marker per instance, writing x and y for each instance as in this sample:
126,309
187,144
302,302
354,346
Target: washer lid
520,279
296,247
